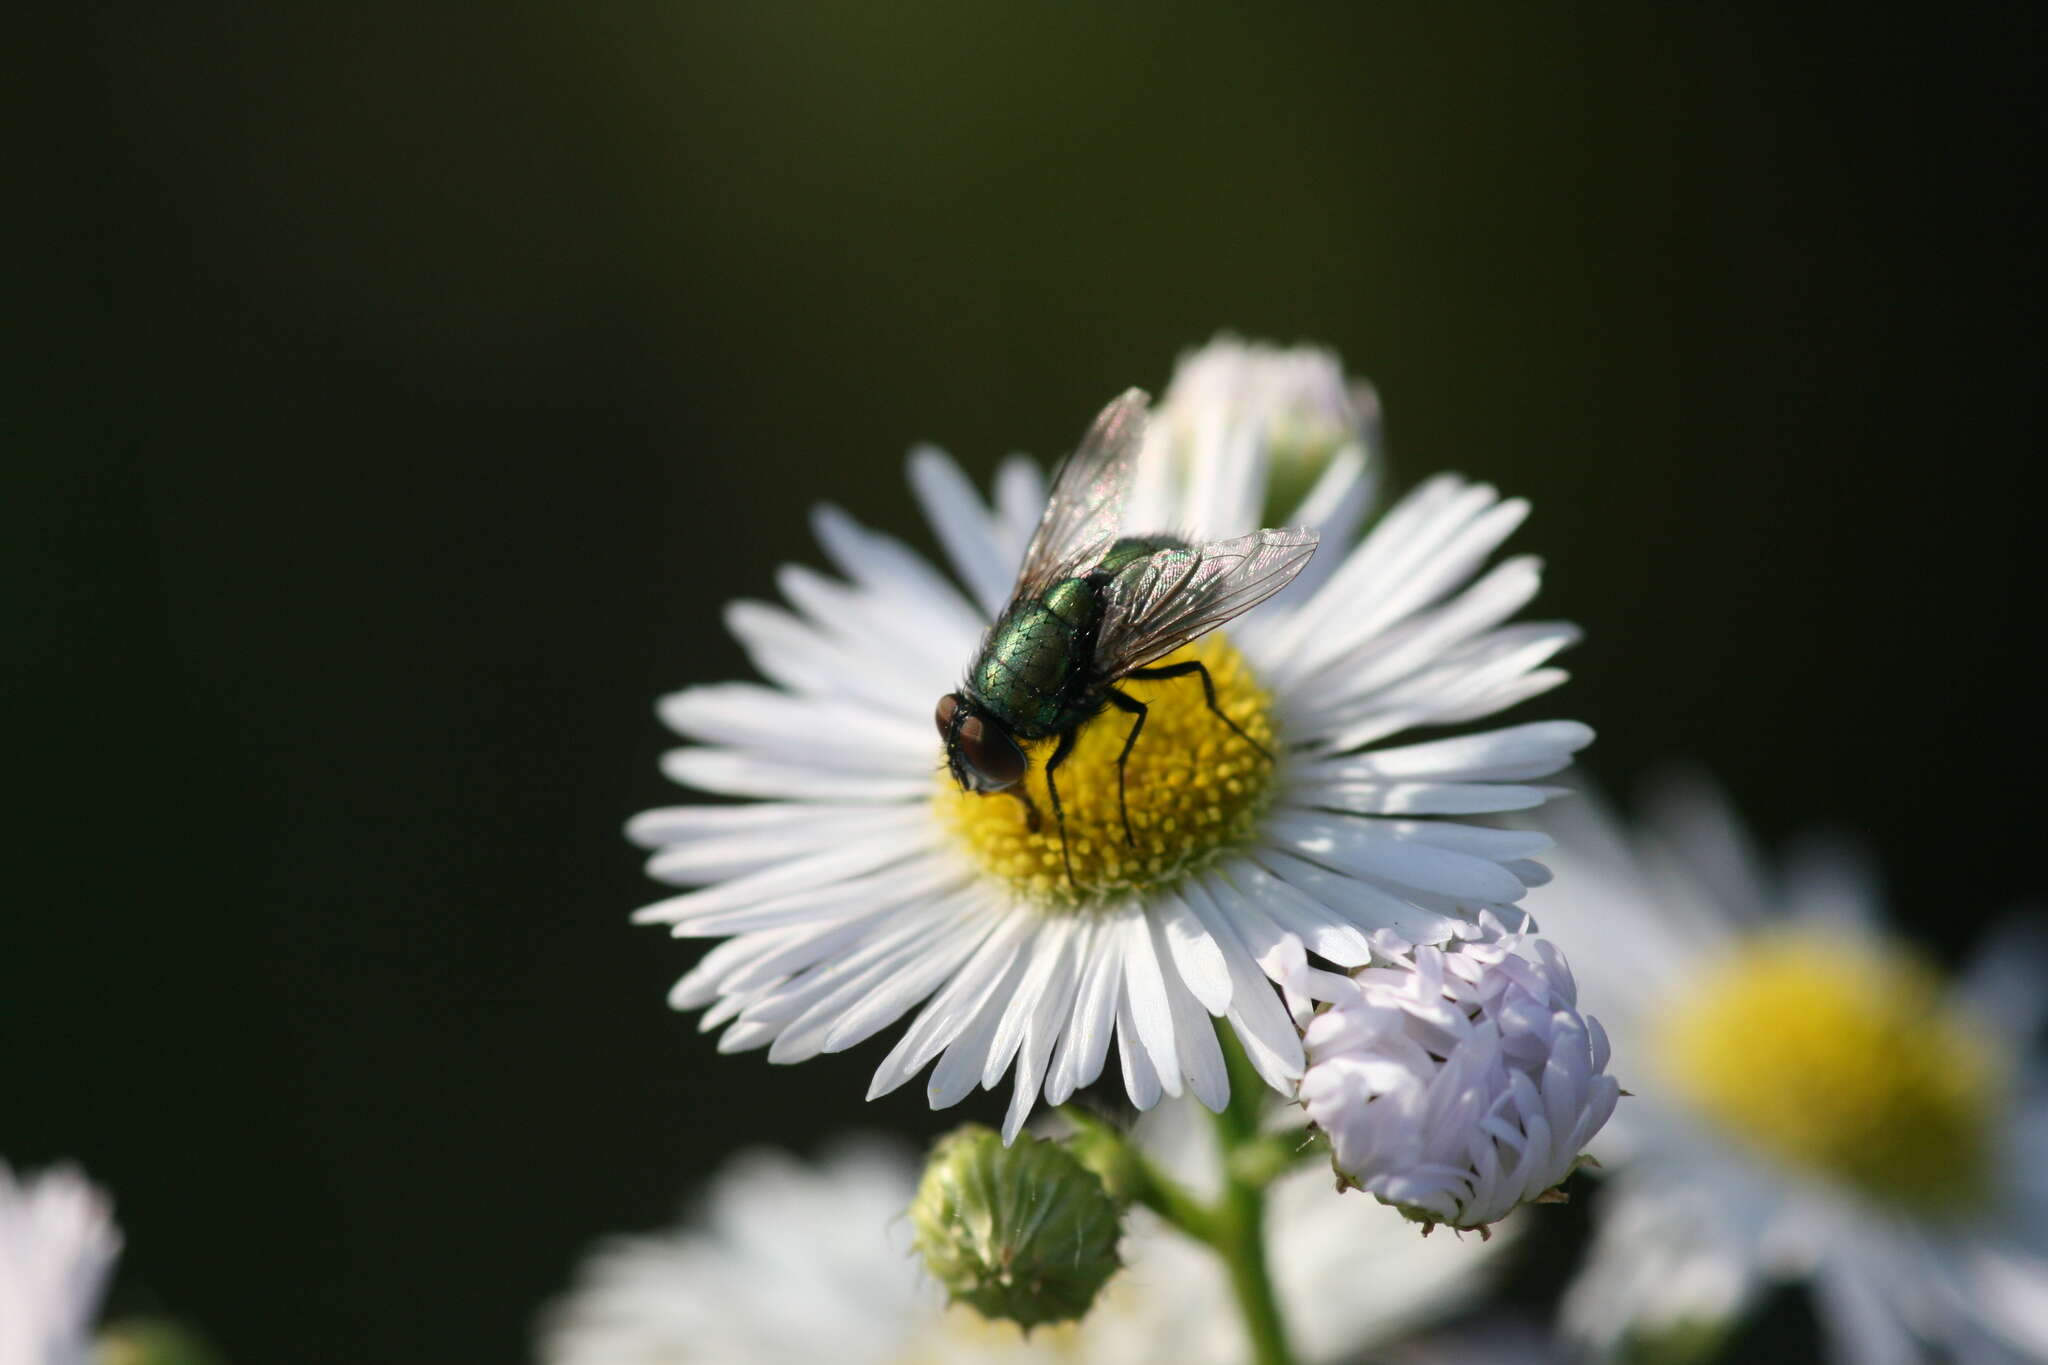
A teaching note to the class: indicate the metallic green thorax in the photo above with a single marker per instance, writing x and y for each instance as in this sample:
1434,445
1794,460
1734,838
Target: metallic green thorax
1035,669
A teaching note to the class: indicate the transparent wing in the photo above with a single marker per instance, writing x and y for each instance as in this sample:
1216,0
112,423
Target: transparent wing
1087,502
1173,596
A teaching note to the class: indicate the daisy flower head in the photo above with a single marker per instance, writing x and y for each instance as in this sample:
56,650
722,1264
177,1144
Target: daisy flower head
1459,1084
58,1244
1811,1102
881,870
792,1261
1294,402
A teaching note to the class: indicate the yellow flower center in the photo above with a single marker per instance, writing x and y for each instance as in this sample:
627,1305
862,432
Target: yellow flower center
1194,789
1843,1062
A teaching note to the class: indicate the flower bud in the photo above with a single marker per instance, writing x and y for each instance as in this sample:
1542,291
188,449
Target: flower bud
1112,1159
1024,1233
1293,404
1458,1084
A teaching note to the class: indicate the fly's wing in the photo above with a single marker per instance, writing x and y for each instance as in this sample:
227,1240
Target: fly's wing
1087,502
1173,596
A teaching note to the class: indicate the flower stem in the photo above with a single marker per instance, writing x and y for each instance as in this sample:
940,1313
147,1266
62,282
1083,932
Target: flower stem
1234,1226
1238,1230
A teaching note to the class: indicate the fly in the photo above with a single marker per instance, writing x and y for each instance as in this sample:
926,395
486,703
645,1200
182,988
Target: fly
1093,607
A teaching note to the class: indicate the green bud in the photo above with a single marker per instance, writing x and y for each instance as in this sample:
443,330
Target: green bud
1108,1154
1024,1233
151,1341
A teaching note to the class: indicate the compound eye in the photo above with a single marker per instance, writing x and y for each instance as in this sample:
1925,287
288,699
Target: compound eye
948,704
991,753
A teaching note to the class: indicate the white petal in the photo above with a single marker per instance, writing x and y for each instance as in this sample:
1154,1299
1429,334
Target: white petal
778,726
1375,662
1150,1005
1351,847
792,653
890,569
1020,502
987,976
1048,957
1428,544
1255,1011
1368,906
879,996
729,773
904,646
1327,933
1141,1078
1201,1056
1197,958
892,999
1084,1043
798,874
695,860
959,1068
1041,1031
1417,798
1536,749
964,527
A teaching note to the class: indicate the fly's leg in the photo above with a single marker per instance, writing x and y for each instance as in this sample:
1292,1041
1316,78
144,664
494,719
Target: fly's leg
1130,706
1032,822
1059,756
1201,670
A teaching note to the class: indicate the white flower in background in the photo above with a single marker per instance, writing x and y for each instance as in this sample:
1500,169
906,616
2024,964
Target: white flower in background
799,1263
1295,402
1458,1084
57,1246
1810,1104
862,882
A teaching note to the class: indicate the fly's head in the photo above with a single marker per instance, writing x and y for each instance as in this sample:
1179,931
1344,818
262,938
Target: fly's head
980,752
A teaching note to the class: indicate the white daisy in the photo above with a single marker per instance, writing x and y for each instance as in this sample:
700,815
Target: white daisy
1458,1085
1809,1103
861,882
1302,408
57,1247
792,1262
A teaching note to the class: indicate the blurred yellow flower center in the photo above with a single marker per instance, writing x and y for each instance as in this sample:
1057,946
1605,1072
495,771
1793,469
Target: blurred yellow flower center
1843,1062
1195,789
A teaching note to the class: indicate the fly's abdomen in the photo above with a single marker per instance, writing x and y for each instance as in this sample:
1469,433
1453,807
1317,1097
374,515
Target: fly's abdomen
1036,660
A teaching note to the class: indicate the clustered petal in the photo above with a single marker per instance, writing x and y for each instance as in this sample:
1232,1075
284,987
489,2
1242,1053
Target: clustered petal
1459,1084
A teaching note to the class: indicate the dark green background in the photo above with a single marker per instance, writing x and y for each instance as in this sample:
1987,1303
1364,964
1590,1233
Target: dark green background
404,389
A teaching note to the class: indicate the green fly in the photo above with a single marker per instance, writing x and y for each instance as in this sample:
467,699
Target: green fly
1093,607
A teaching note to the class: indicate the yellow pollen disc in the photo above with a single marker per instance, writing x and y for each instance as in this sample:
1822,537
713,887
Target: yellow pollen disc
1843,1062
1194,788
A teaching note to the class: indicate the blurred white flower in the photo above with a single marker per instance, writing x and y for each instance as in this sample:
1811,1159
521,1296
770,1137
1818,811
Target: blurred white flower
1292,408
1458,1084
862,886
1809,1103
58,1244
797,1263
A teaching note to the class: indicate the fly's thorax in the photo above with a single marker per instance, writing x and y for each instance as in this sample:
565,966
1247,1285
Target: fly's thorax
1035,663
1195,790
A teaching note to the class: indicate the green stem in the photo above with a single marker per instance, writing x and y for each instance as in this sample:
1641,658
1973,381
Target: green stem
1239,1228
1234,1226
1130,1174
